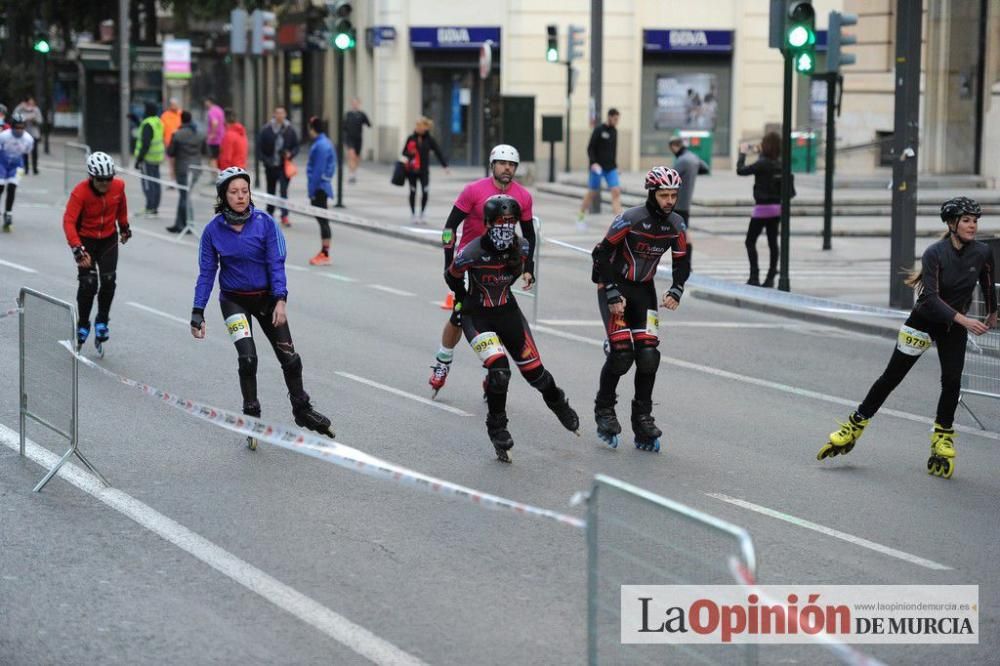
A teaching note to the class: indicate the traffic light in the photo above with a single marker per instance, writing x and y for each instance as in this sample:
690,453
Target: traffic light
837,40
265,25
574,43
41,41
800,35
344,35
552,52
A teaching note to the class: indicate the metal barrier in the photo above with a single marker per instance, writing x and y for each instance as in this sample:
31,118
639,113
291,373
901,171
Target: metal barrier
533,294
73,148
981,374
633,537
48,374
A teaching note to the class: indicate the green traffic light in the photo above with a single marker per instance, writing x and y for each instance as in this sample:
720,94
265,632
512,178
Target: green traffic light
552,55
342,41
804,63
798,37
42,46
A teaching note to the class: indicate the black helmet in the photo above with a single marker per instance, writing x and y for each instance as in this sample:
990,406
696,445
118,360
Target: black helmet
501,205
954,208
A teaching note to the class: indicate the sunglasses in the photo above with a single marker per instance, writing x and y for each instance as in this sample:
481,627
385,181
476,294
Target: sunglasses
104,179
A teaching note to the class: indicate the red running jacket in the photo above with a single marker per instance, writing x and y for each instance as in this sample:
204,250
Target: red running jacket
93,215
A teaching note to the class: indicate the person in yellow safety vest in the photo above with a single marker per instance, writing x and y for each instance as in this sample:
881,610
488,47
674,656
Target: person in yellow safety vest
149,153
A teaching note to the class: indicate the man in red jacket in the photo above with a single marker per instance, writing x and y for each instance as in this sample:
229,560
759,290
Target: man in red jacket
233,150
96,217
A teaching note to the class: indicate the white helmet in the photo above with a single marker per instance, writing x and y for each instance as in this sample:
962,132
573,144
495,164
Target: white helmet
226,175
505,152
100,165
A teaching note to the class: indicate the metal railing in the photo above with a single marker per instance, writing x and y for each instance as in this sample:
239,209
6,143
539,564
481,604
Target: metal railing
635,536
74,149
49,373
981,373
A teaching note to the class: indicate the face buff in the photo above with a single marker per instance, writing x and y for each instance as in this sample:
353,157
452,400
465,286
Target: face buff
501,235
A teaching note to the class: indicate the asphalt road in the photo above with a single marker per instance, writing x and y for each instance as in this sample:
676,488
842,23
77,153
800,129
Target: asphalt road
385,572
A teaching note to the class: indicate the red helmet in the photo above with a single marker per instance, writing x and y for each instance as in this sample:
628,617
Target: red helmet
663,178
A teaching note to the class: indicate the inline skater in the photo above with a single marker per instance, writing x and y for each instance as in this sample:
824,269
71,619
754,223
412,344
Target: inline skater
15,146
96,218
492,320
246,247
950,270
468,212
624,265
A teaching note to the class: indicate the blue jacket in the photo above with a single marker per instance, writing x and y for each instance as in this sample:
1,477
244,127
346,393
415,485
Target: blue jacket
250,260
321,166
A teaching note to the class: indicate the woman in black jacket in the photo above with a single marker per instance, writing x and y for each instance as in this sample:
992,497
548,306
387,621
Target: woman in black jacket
416,155
767,203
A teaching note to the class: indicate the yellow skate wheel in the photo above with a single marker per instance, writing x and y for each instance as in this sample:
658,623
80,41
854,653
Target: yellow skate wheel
947,468
252,443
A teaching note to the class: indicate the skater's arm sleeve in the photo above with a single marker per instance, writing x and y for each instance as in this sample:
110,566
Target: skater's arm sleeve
680,266
454,276
74,208
122,213
528,230
930,280
606,248
450,231
276,262
987,282
208,265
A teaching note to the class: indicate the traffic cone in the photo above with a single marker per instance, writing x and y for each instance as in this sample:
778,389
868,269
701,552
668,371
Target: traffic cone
449,302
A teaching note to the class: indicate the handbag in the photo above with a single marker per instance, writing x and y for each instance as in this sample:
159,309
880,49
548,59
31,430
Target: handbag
398,174
290,169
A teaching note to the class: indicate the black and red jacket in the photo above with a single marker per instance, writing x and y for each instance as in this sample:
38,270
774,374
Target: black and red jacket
491,273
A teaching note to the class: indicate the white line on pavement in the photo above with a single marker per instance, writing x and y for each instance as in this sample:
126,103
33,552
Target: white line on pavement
171,237
404,394
336,626
11,264
391,290
335,276
673,324
828,531
777,386
159,313
293,267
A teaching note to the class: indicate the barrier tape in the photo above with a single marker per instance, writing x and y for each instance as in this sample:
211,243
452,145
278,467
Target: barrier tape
138,174
315,446
9,313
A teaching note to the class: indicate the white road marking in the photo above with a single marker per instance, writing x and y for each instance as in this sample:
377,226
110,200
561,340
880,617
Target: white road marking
19,267
777,386
674,324
829,531
293,267
335,276
171,237
391,290
404,394
334,625
159,313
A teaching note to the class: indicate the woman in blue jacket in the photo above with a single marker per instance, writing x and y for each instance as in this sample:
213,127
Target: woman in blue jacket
319,171
246,247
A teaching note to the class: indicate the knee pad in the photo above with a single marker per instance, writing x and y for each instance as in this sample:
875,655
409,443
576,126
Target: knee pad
647,360
497,379
108,280
88,283
620,360
248,365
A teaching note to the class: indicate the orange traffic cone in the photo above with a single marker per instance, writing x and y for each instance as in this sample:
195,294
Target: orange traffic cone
449,302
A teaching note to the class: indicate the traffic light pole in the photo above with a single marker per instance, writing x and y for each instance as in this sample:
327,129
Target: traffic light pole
340,55
784,284
832,80
569,96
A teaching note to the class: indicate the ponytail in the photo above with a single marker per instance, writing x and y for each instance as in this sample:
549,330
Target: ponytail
914,278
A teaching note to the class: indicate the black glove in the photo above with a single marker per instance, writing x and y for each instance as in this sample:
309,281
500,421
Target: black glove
197,318
125,233
614,296
79,253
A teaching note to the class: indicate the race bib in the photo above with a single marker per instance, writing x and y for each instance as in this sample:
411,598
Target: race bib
652,323
912,342
486,345
238,327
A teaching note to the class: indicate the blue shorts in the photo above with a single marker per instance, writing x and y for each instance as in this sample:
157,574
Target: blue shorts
610,177
8,171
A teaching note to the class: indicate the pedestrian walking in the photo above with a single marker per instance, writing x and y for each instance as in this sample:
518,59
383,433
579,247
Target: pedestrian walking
185,151
602,151
625,263
277,143
34,120
95,221
949,271
468,212
354,124
149,154
766,213
246,248
233,150
215,121
15,146
689,166
416,152
171,119
321,167
493,322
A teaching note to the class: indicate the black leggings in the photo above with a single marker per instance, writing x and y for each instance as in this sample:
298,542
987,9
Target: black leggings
425,179
319,200
98,280
757,224
626,337
238,311
951,340
11,191
510,326
276,178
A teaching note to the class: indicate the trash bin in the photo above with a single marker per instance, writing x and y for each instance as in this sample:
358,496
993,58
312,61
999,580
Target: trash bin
698,142
803,152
